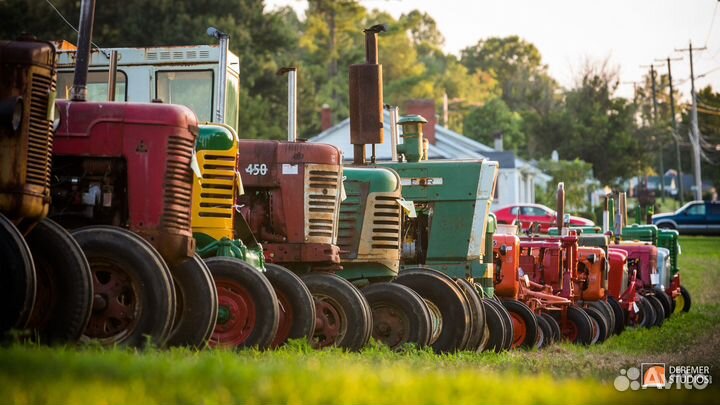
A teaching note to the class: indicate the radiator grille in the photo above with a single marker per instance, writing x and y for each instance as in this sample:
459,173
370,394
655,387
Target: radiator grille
216,189
40,136
178,185
386,223
322,191
348,229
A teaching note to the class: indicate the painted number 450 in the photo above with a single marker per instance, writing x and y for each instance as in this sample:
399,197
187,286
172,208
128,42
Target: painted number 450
256,169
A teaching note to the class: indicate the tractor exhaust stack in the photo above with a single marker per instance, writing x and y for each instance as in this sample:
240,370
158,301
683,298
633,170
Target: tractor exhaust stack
87,17
366,98
222,72
292,101
560,207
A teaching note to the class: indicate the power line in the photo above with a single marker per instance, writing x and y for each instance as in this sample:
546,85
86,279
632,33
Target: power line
712,22
72,27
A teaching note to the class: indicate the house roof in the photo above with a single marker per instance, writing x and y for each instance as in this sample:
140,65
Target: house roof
448,145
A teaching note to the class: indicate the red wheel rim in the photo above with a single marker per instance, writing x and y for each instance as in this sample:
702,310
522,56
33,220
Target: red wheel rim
390,325
330,322
519,330
116,306
287,317
45,297
570,330
236,314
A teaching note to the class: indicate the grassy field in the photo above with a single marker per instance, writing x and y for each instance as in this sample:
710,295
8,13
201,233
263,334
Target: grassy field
299,375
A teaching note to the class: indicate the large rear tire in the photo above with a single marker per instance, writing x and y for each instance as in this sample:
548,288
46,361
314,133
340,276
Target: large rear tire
64,284
342,319
477,314
296,305
524,321
134,298
399,315
248,313
17,278
619,315
197,303
450,302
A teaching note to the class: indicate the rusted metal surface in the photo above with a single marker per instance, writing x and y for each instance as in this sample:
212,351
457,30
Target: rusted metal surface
366,105
27,89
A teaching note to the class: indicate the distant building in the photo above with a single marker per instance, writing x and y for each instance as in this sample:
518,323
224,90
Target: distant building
517,178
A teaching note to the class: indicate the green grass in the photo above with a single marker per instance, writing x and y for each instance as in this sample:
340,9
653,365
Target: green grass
299,375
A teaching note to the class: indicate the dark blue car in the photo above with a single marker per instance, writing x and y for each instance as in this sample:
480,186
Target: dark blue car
698,217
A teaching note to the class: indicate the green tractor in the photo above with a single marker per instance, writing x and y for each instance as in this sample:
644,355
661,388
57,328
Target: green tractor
413,233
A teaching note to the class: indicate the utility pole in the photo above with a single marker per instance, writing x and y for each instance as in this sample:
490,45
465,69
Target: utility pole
661,177
695,139
674,129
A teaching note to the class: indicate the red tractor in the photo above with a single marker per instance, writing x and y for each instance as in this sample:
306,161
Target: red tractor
45,280
122,180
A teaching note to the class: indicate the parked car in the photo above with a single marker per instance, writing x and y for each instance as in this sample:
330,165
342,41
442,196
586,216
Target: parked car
699,217
535,213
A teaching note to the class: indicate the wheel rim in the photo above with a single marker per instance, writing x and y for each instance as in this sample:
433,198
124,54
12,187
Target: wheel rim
236,314
390,325
287,318
330,321
570,331
115,303
595,330
519,330
436,322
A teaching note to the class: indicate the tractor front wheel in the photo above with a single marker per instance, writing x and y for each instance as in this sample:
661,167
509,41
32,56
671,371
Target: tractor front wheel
601,326
248,313
524,322
545,333
683,301
341,318
619,315
578,328
645,316
134,297
296,305
442,294
64,284
477,314
399,315
497,327
665,301
17,278
554,326
659,310
197,303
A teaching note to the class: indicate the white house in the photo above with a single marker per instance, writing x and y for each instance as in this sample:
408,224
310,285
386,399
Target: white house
517,178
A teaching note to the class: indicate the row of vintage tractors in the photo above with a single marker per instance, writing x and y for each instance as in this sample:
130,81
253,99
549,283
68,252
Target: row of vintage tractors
181,233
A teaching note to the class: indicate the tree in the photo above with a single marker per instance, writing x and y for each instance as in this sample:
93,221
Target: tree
482,123
709,126
577,176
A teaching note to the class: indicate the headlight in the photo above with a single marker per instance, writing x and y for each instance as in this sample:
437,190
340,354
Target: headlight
17,115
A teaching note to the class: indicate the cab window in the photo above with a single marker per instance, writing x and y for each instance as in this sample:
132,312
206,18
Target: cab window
97,85
193,89
697,209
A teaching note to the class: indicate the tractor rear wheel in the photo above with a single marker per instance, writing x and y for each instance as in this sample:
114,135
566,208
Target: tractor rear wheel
524,322
64,284
683,301
659,310
646,316
17,278
248,313
296,305
496,326
554,326
341,316
600,322
399,315
134,297
578,328
619,315
197,303
665,301
477,314
442,293
606,310
509,328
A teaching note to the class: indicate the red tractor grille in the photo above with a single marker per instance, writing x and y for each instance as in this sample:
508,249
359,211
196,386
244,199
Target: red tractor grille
322,191
178,185
386,223
40,136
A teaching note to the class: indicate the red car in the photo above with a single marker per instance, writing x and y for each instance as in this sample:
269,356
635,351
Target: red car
529,213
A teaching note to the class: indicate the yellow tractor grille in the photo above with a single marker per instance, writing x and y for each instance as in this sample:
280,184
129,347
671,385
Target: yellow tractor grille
216,187
178,184
40,136
386,223
322,184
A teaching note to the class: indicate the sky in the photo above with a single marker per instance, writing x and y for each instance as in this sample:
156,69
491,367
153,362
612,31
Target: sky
629,33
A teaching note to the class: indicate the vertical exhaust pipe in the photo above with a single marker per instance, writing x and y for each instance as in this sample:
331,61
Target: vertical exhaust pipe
292,101
222,72
112,75
394,136
560,220
606,215
82,58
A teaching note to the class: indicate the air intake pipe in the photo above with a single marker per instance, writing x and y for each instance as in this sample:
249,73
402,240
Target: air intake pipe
292,101
87,17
